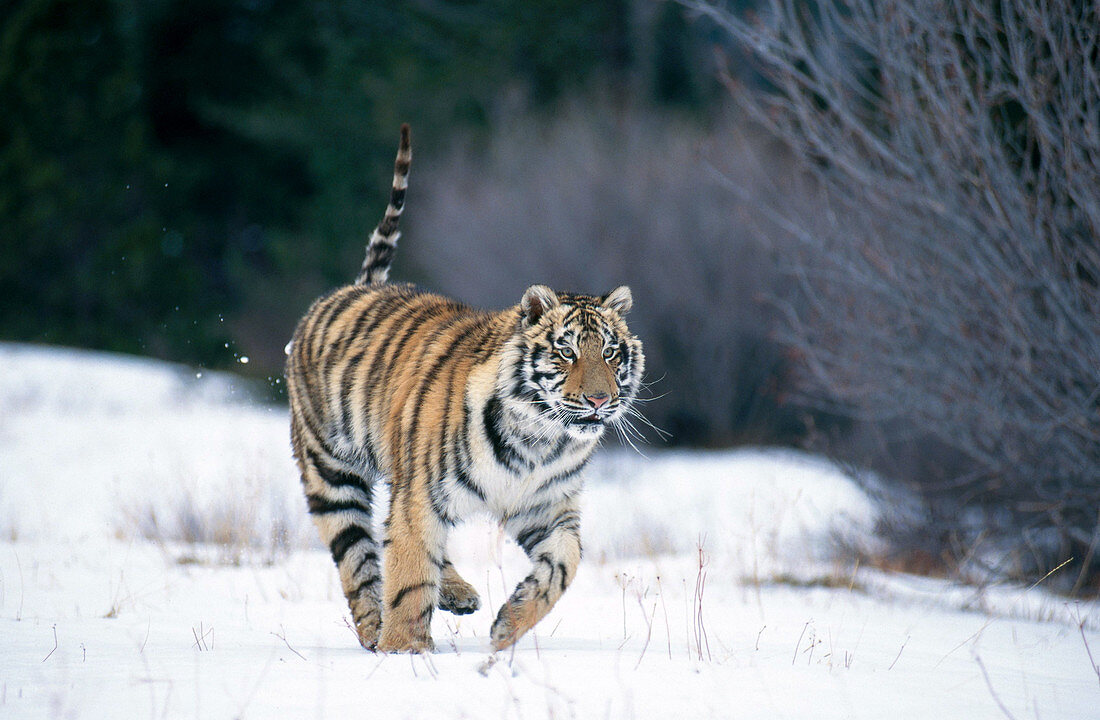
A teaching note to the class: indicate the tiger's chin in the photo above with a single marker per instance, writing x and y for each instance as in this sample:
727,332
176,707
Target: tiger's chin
588,428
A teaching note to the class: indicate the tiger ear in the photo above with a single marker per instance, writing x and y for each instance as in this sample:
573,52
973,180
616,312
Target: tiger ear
536,301
620,300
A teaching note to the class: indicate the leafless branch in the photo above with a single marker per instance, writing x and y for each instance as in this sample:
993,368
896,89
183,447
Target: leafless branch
952,283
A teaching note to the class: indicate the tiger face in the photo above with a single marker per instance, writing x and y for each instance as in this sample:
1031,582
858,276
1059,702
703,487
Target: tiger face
579,367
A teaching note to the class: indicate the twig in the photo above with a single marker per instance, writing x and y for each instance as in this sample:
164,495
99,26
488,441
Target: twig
54,644
622,585
649,629
200,637
287,643
799,643
992,692
814,642
1084,639
899,652
964,642
18,564
1034,584
701,639
429,663
375,669
664,609
351,628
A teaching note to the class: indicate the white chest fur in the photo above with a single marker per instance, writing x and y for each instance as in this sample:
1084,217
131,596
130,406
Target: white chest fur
530,475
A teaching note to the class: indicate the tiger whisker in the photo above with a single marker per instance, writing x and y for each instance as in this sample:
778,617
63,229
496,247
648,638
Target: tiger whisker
635,413
620,425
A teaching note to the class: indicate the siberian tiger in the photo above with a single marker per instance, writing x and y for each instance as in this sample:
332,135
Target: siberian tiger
461,411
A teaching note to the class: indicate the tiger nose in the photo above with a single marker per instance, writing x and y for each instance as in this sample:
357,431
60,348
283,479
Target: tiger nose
597,400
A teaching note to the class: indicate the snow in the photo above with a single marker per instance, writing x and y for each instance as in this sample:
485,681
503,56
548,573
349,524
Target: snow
112,468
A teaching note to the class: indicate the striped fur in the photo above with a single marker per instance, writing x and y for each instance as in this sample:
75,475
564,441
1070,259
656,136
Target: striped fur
462,412
383,241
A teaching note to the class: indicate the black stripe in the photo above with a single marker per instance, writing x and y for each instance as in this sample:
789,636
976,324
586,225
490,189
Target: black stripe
529,539
397,296
322,506
405,591
333,308
366,584
624,355
535,510
381,254
320,320
426,381
369,558
490,341
347,539
347,380
375,313
462,449
439,505
561,569
338,478
397,198
491,417
562,476
570,521
464,479
350,297
411,319
558,450
519,376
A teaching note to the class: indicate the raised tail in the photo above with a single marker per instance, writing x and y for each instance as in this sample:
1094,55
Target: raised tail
383,241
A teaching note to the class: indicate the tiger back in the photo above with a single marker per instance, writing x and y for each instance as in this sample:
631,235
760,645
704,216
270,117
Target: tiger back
462,412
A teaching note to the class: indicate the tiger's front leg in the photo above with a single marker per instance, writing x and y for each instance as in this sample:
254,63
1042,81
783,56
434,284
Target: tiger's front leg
413,563
554,546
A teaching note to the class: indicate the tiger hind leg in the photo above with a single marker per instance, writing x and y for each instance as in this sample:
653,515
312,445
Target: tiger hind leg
340,504
455,594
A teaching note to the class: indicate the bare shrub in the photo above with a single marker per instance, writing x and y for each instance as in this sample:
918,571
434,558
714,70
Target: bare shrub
599,196
951,292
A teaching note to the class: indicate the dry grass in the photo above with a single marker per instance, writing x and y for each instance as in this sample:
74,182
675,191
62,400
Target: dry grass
249,522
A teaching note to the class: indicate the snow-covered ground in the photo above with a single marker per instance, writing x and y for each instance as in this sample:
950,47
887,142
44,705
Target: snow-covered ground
156,560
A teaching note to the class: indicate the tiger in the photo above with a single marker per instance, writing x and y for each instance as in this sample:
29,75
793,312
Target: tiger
460,412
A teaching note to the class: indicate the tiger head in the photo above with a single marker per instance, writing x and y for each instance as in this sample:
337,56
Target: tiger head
579,367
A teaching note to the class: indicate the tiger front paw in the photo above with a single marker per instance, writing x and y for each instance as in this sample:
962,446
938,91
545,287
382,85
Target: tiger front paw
405,645
513,620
